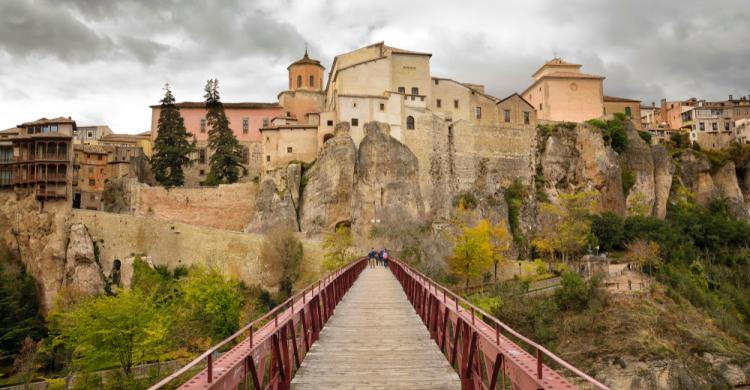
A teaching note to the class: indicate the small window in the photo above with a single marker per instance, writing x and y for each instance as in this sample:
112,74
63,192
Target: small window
355,122
506,115
401,90
268,158
540,106
202,172
90,135
526,119
92,182
245,125
329,123
299,81
726,126
478,112
437,81
410,122
99,157
312,81
203,125
628,112
703,126
714,126
382,106
265,122
202,156
354,104
455,103
414,91
438,103
289,149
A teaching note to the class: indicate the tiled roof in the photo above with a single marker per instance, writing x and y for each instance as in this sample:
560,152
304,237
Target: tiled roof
306,60
45,121
572,75
93,149
252,105
619,99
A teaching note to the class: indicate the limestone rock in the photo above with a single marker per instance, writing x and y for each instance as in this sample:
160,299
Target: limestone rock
728,188
695,176
663,170
275,204
638,159
82,272
386,179
327,196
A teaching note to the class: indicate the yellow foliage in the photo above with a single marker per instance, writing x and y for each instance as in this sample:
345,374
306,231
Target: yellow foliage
472,253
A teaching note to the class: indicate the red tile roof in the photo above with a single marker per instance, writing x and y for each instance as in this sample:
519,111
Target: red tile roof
619,99
250,105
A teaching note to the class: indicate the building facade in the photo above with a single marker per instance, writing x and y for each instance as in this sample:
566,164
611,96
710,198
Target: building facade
631,108
90,173
90,134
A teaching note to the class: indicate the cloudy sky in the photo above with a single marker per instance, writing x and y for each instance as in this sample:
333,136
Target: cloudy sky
105,62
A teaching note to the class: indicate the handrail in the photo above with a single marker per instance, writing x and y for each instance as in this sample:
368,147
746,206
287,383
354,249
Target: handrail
498,324
283,310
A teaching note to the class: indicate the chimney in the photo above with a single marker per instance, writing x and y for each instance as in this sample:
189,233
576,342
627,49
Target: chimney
731,97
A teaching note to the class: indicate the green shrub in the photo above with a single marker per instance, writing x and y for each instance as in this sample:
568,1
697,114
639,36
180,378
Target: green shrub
645,135
628,178
574,293
609,230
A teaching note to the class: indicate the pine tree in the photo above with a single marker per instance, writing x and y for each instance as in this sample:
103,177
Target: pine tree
172,147
226,157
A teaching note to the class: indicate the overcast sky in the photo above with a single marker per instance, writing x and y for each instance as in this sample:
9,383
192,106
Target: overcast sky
105,62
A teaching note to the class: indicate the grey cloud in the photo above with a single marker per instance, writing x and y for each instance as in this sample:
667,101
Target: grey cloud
144,50
28,29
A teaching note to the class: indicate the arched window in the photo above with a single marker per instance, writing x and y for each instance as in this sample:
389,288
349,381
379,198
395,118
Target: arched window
410,122
628,113
299,81
312,81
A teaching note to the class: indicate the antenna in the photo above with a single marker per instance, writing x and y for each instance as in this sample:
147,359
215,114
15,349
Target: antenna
305,49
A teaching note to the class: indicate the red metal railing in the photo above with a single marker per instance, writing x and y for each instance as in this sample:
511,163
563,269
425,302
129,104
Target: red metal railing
275,344
478,345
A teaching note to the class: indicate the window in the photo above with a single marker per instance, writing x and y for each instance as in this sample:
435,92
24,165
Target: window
299,81
245,155
540,106
90,135
203,125
289,149
726,126
714,126
438,103
99,157
202,172
401,90
245,125
202,156
354,104
91,171
92,182
265,122
628,112
268,158
414,91
455,103
506,115
410,122
382,106
526,120
312,81
702,126
437,81
329,123
355,122
478,112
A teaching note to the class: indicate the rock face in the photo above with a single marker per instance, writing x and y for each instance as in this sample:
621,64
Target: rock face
638,159
386,179
576,159
82,271
327,195
663,170
277,202
728,188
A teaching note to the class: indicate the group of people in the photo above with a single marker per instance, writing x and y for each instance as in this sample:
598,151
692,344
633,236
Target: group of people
378,258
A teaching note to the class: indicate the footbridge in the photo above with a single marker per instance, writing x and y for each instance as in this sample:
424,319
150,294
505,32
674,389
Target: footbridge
377,328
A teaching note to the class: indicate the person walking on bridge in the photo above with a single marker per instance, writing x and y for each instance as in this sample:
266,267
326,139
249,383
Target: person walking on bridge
384,255
371,257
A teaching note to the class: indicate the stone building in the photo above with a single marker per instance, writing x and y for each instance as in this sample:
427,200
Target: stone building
142,141
245,119
90,171
561,92
38,156
630,107
516,113
90,134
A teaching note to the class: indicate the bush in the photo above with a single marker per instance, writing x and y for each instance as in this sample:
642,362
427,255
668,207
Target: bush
613,132
575,293
645,135
609,230
628,178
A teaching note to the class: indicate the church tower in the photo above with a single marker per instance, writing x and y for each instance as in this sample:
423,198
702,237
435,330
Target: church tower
306,74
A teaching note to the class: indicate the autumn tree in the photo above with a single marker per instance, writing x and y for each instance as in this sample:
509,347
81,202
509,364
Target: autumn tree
282,255
226,153
566,225
472,253
644,254
338,248
172,146
500,242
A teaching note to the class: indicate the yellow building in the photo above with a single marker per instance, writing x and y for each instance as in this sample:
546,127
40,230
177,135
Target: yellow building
561,92
142,140
630,107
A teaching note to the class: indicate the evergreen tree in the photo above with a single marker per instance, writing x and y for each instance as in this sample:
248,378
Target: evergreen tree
172,147
226,157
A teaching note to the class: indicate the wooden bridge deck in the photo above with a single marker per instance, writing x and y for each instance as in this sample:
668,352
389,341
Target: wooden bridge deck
375,340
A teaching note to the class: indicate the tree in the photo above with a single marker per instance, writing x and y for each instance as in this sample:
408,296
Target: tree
472,253
638,205
126,328
337,246
609,230
566,226
172,147
213,302
644,254
500,241
226,158
282,255
19,310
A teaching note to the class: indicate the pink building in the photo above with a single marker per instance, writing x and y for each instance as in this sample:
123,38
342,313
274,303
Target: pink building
245,119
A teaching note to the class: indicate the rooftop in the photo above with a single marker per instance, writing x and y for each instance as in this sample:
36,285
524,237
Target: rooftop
619,99
306,60
556,62
250,105
45,121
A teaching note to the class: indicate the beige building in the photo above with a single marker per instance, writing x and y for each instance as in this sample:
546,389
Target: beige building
561,92
630,107
515,112
90,134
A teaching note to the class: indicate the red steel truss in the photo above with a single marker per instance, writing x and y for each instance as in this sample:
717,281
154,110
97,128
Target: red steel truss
478,346
275,344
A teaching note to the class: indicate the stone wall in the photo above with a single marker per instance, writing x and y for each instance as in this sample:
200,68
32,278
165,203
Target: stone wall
118,236
224,207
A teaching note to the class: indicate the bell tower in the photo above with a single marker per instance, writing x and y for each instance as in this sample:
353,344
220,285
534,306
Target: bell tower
305,74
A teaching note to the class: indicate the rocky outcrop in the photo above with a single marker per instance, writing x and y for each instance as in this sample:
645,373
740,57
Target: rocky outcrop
327,194
576,159
663,170
728,188
637,159
386,179
277,202
82,271
695,176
